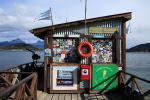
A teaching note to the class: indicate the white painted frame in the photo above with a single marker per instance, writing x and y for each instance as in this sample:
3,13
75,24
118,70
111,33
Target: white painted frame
54,83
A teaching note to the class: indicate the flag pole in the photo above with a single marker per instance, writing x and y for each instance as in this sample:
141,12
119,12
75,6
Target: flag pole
51,17
85,16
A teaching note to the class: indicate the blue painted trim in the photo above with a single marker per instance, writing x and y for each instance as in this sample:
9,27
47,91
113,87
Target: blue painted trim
98,36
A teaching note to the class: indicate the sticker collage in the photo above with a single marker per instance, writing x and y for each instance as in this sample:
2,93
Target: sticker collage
102,51
65,50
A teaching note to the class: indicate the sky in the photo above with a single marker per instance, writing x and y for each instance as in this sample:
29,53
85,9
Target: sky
17,17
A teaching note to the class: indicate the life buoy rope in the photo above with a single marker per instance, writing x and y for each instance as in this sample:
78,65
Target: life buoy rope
90,49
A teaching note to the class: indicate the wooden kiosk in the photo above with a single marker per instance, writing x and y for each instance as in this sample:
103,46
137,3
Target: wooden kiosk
76,61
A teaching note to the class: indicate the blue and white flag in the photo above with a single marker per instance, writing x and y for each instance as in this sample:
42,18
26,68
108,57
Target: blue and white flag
128,29
47,15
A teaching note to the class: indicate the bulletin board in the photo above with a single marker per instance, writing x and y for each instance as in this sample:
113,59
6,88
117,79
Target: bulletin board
102,51
65,50
102,75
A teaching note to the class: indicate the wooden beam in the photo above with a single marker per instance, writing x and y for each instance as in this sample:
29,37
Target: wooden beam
45,63
124,45
20,92
8,82
20,86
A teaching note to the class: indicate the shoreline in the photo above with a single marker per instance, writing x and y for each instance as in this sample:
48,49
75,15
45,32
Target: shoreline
16,50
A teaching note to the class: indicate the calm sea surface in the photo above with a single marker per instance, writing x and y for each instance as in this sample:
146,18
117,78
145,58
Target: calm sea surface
137,63
10,59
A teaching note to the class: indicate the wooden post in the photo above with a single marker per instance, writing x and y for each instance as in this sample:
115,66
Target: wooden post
124,45
50,44
35,90
45,64
20,92
51,78
33,86
117,36
133,85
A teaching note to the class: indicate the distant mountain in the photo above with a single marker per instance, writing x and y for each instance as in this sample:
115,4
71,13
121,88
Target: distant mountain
16,41
38,44
18,47
16,44
13,42
140,48
4,43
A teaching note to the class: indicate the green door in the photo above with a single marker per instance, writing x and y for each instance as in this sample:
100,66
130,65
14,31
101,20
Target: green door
103,76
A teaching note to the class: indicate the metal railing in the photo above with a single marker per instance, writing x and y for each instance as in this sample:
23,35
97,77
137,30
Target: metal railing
132,86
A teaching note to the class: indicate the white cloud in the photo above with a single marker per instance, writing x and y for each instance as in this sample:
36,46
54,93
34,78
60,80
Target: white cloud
5,18
19,17
16,23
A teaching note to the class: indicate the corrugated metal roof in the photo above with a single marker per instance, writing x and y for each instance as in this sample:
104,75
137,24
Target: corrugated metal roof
38,31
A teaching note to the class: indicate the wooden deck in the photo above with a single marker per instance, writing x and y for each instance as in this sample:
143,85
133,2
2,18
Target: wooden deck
24,91
45,96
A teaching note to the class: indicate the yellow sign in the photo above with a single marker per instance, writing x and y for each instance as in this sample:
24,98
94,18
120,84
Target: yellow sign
102,29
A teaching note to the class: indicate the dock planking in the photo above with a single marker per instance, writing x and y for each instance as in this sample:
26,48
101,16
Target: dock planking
62,96
48,97
45,96
74,96
42,96
68,96
55,97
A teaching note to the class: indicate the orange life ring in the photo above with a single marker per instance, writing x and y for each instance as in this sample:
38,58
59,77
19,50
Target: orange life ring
90,49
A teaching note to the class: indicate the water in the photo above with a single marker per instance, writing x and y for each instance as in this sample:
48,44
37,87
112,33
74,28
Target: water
9,59
137,63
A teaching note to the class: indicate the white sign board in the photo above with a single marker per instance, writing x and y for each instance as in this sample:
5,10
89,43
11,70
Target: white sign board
47,52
